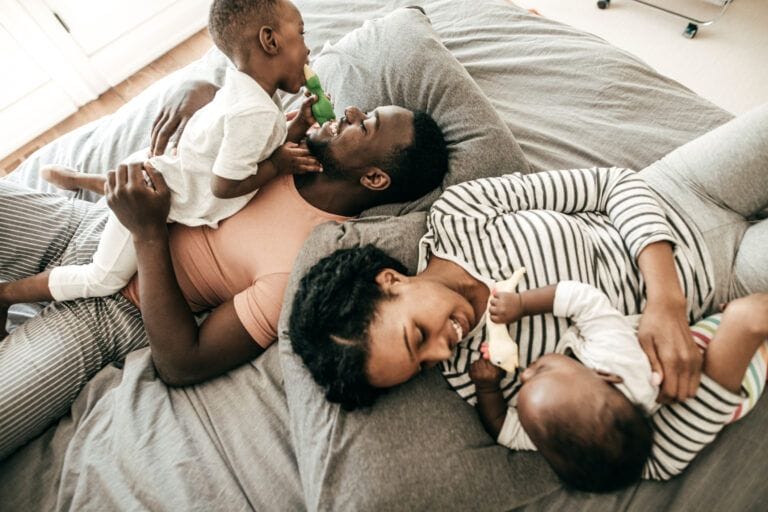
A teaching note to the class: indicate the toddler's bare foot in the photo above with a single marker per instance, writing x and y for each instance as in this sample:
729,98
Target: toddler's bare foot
62,177
70,179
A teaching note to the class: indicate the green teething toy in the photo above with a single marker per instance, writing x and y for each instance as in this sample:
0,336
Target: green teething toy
322,109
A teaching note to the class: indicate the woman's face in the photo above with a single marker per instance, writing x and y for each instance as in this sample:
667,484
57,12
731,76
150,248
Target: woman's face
417,327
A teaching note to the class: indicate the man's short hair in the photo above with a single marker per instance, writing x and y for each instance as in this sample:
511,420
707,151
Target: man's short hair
228,20
332,310
420,167
606,458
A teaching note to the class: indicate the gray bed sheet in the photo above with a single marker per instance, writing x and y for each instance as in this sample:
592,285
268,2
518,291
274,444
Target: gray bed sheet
570,99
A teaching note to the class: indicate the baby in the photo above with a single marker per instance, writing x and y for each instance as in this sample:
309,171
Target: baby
230,147
586,406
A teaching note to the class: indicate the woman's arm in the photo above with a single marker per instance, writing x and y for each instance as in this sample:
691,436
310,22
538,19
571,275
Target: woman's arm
183,353
618,193
663,331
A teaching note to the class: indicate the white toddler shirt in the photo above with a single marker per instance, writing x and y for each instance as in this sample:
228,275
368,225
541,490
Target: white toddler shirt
228,137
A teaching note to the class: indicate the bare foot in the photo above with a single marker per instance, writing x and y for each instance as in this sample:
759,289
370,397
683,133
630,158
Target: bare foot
62,177
68,178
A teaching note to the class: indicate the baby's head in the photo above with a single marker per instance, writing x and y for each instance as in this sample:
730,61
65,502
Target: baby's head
264,37
594,438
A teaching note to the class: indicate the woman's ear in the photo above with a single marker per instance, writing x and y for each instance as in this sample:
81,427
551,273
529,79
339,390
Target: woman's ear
609,377
388,278
375,179
268,40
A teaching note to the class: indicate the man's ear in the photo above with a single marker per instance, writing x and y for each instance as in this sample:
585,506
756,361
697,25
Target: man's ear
388,278
609,377
268,40
375,179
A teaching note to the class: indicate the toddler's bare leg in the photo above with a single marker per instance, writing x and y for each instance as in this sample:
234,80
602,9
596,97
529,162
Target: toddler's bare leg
743,328
71,179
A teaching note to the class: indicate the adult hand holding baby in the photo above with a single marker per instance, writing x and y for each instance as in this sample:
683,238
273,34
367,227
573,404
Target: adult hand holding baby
169,124
666,339
140,201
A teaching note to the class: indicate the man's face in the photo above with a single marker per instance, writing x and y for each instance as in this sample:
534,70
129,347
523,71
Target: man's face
361,140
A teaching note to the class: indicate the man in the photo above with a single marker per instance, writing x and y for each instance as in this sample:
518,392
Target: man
237,272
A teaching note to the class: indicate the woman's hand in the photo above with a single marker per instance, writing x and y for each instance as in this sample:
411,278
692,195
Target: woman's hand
169,124
666,339
140,198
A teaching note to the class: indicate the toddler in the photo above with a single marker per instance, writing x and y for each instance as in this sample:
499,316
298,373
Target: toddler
586,406
229,148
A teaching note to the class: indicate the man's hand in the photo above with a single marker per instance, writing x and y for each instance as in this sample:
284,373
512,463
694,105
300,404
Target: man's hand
506,307
140,198
666,339
485,375
292,158
169,124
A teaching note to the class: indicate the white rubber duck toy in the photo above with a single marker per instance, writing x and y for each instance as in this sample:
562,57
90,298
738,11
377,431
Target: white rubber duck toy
503,350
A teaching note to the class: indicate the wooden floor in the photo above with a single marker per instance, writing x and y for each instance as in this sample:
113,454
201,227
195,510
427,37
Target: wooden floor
117,96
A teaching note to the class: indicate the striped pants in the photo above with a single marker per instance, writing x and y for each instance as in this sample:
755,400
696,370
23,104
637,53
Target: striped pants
46,361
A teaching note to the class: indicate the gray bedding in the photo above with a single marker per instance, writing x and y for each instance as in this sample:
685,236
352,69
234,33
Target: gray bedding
262,437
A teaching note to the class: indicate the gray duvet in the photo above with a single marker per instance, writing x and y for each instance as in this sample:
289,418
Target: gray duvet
260,438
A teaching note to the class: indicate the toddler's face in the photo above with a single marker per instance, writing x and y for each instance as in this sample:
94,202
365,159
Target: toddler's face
294,52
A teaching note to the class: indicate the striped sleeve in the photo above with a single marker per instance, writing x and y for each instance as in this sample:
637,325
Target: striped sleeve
682,430
617,193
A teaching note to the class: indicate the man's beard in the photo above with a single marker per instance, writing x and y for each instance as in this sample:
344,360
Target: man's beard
321,150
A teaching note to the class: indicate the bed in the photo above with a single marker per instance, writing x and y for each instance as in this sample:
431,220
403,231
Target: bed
513,92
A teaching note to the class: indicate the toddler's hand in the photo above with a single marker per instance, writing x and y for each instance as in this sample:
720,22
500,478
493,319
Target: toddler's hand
305,111
485,375
505,307
292,158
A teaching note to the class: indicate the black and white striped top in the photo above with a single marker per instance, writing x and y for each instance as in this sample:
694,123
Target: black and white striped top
585,225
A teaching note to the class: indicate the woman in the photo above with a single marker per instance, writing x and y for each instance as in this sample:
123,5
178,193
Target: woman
671,242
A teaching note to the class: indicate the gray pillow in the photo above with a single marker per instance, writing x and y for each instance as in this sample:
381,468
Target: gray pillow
400,60
420,446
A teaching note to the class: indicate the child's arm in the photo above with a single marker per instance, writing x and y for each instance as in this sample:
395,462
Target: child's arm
743,328
303,121
290,158
506,308
490,402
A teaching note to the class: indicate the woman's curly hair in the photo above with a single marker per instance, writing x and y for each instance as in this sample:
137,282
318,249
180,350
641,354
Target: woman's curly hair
332,310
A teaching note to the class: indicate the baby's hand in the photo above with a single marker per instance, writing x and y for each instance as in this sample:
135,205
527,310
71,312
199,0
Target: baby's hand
485,375
505,307
292,158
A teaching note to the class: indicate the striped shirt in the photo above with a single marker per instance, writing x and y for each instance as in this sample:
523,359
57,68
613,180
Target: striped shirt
587,225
